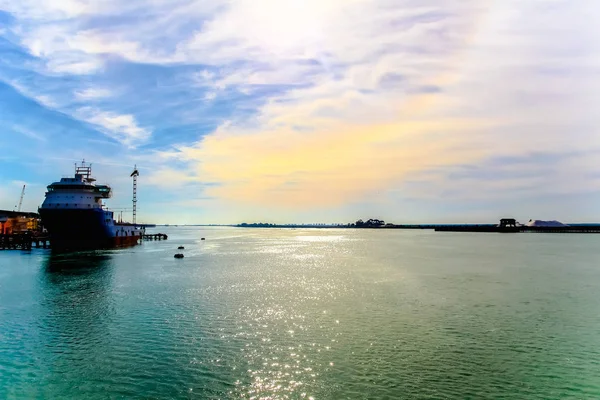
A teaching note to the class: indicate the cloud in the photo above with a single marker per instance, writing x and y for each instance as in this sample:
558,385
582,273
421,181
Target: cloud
74,65
93,93
323,168
167,177
324,104
18,183
527,176
123,128
68,36
120,127
379,113
42,99
28,133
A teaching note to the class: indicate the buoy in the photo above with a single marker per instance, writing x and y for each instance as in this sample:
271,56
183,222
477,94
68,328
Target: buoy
178,255
202,239
180,248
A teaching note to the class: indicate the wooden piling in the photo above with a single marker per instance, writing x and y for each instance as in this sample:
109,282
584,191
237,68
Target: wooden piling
21,241
155,236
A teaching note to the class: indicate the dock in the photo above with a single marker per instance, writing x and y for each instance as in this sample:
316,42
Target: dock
506,225
23,241
28,241
155,236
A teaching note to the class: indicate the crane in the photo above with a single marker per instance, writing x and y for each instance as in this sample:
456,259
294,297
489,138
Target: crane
21,199
134,175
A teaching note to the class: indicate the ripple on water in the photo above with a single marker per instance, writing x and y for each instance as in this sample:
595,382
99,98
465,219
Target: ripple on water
306,314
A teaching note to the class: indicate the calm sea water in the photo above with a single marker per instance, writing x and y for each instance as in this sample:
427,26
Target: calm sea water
322,314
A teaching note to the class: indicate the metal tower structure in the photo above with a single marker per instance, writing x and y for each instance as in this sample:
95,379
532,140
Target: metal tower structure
21,199
134,175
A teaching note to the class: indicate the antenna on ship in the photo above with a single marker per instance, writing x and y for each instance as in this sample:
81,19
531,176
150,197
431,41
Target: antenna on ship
134,175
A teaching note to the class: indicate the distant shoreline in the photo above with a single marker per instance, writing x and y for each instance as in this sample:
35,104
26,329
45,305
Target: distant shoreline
571,226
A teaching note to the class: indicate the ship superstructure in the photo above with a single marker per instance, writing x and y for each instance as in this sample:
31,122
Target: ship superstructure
75,215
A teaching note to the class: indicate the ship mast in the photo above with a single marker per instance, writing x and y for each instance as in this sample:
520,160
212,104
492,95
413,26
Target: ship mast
84,171
134,175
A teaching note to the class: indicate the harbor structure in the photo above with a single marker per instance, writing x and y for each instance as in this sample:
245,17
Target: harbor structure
24,241
14,222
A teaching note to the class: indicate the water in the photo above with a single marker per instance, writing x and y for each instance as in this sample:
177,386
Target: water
323,314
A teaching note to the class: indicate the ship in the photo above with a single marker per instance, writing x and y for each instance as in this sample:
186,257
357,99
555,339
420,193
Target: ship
75,216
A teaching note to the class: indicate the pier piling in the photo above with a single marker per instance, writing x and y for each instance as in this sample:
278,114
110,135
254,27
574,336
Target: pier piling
23,241
155,236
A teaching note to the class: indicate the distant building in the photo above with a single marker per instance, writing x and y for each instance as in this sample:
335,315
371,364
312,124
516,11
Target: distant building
18,222
540,223
508,223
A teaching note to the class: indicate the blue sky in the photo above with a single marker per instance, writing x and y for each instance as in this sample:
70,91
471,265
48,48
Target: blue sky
302,111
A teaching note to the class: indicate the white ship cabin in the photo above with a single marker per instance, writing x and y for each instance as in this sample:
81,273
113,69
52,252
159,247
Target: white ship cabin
80,192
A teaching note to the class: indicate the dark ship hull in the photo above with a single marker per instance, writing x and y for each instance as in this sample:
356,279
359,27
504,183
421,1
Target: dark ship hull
85,229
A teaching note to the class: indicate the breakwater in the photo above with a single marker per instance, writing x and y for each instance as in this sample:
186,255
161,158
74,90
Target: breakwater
484,228
562,229
477,228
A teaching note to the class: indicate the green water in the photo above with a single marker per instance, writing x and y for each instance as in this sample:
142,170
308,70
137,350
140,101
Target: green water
323,314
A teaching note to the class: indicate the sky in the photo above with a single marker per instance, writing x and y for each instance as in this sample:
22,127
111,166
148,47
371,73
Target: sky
410,111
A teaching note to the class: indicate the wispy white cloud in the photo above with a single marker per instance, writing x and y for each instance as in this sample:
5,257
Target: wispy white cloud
438,64
92,93
28,133
373,90
18,183
120,127
66,37
41,98
74,65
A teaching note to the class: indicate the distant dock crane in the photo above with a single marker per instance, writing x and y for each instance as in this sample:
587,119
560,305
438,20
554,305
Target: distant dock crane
21,199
